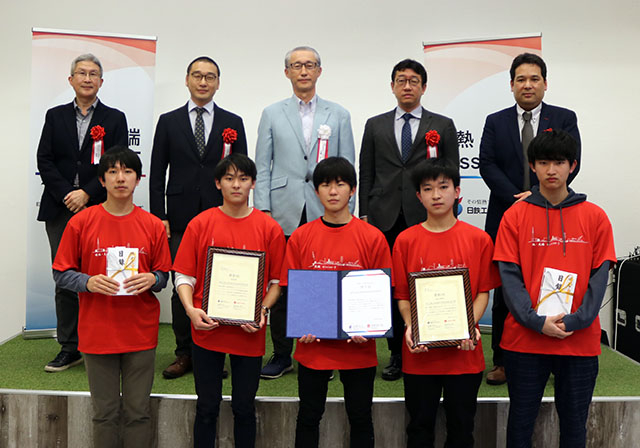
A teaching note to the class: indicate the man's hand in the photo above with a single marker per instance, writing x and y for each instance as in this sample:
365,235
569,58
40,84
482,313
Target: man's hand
252,328
357,339
468,344
554,327
139,283
409,340
308,338
200,320
76,200
522,196
166,228
102,284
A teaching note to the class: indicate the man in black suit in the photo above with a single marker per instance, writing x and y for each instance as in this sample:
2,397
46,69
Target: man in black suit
73,138
190,141
504,166
392,144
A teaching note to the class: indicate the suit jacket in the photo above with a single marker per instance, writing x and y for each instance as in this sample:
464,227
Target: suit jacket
59,159
191,186
502,160
285,164
385,181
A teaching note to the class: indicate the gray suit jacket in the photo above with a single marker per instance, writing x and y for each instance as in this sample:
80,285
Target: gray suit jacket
285,164
385,182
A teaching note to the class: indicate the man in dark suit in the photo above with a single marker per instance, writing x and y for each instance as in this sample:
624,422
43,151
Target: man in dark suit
504,166
392,144
190,141
73,138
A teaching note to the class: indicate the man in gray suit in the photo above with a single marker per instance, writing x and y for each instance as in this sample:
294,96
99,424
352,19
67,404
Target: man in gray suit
392,144
293,136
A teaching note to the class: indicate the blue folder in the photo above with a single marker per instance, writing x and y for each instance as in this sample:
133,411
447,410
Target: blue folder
314,304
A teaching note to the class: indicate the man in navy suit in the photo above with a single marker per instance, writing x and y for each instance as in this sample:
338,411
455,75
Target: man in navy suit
505,169
73,138
294,135
393,143
190,141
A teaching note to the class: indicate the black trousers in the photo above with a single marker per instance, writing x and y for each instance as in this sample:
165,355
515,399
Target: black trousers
66,300
358,398
395,343
422,397
245,377
180,322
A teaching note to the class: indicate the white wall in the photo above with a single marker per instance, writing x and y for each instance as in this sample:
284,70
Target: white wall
591,49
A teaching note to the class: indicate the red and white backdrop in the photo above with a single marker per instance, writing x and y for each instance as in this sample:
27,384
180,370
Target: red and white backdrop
471,80
129,71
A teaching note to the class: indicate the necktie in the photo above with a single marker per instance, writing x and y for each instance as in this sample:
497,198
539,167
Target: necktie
406,137
199,131
527,136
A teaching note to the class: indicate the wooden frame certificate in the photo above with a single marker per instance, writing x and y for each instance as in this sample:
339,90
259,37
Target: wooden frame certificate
441,307
233,284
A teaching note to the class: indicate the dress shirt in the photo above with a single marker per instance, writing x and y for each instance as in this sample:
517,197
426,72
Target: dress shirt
307,112
535,119
207,117
399,122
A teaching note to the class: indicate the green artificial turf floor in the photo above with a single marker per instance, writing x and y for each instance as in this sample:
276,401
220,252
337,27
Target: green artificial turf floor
22,367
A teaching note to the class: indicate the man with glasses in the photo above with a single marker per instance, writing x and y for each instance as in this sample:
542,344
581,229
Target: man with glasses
190,141
393,143
294,135
73,139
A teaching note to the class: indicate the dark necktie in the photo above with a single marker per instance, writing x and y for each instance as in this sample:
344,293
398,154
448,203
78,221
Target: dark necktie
406,137
527,136
199,131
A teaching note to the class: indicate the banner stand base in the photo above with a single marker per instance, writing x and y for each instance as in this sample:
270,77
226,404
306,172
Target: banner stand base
38,334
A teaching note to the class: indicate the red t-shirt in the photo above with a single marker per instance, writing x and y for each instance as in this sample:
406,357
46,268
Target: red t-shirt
257,231
114,324
522,239
462,246
356,245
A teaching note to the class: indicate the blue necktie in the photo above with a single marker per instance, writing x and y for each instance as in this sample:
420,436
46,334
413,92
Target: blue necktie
406,137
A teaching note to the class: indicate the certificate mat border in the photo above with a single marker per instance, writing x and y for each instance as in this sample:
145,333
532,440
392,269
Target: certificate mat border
415,331
211,251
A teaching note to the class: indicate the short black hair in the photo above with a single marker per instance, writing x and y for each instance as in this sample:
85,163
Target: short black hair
552,144
119,155
528,58
205,59
235,162
410,64
334,168
432,169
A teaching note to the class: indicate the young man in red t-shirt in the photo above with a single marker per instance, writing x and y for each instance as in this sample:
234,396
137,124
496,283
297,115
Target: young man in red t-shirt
118,321
554,251
335,241
232,225
442,242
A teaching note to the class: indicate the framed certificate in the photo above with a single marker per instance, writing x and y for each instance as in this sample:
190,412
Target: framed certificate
233,283
441,307
339,304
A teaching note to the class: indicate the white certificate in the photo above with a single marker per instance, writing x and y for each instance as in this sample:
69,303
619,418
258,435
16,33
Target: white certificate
442,309
366,303
233,291
122,263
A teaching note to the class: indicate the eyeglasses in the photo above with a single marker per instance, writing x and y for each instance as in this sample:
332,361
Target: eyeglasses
308,65
209,77
413,82
92,75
